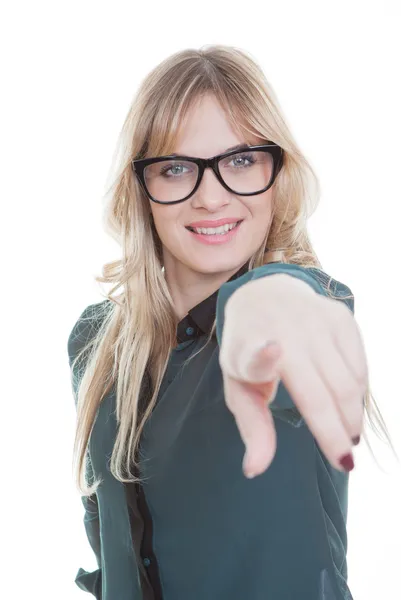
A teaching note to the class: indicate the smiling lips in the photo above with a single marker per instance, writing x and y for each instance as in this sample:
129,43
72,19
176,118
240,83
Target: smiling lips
214,223
217,235
214,230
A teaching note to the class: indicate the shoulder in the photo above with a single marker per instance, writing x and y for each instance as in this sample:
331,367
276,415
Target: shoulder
321,281
333,287
86,326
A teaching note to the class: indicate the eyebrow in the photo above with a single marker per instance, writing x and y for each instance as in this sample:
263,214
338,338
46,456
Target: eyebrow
236,147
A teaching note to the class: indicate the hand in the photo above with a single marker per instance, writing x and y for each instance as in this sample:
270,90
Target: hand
317,352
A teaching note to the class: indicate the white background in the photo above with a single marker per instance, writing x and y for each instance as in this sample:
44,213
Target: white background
69,71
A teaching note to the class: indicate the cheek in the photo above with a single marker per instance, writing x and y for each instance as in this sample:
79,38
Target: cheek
167,225
260,220
260,210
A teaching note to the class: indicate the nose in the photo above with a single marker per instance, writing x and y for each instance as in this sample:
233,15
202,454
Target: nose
211,194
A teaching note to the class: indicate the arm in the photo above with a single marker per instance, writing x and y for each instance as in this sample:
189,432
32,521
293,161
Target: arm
83,330
280,329
91,581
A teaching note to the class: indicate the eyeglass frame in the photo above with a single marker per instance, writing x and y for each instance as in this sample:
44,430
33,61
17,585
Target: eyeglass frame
277,153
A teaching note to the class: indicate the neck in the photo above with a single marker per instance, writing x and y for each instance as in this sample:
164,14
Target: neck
188,288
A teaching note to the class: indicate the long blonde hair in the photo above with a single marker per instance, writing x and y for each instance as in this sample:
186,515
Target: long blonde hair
137,328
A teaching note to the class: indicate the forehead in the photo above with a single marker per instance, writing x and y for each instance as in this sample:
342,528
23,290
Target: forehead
206,130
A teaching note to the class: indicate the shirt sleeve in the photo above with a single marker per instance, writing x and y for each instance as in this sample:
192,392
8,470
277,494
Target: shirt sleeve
283,405
84,329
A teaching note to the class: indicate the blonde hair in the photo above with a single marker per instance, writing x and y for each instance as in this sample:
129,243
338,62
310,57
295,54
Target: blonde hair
136,329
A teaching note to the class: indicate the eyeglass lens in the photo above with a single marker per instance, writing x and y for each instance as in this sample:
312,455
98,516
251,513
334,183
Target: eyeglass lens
244,172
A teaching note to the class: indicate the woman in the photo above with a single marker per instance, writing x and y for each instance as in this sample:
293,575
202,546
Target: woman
227,342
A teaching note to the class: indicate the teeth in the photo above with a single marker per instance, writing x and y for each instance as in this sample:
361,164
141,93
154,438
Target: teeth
215,230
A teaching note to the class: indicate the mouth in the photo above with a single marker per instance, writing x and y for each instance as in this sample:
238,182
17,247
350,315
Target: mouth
218,231
218,237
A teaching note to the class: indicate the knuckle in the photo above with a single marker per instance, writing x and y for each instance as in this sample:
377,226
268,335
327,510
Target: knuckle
309,401
362,379
361,364
341,313
349,392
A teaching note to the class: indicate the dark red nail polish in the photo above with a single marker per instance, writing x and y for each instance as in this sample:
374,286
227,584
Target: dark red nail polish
347,462
356,440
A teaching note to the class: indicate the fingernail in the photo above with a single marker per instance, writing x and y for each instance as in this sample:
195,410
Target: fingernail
248,472
356,440
271,345
347,462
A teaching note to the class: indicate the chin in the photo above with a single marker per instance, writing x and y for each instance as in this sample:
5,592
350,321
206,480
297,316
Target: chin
222,266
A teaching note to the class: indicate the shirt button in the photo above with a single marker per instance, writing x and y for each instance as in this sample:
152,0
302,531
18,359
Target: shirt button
189,330
146,562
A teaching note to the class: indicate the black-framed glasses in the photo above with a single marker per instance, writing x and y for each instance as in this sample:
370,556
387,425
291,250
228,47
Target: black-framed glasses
246,171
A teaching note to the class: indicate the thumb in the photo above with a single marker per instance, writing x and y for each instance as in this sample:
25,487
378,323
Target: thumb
263,366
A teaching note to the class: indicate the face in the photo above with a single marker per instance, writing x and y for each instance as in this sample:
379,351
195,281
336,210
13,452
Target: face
207,133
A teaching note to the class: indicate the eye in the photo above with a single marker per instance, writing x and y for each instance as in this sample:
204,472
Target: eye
239,161
175,170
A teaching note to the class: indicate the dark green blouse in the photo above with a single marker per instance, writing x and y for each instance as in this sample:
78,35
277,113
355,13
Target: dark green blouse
197,528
